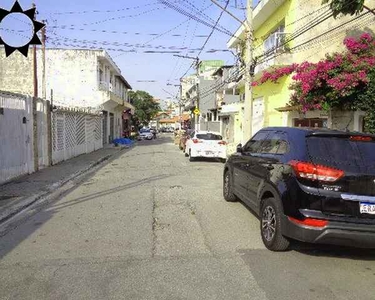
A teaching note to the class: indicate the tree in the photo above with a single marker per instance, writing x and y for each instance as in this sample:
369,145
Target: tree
347,7
145,107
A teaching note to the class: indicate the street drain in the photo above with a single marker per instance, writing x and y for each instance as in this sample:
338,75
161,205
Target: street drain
3,198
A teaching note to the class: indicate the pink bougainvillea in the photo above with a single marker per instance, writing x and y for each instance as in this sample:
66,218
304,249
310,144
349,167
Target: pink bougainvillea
329,82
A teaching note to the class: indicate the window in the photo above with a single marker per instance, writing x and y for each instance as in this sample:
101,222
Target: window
254,144
275,39
276,143
209,137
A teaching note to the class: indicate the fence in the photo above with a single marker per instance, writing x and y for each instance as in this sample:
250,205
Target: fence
75,133
25,144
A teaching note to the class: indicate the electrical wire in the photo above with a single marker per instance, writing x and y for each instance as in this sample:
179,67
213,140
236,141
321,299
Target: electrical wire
102,11
181,11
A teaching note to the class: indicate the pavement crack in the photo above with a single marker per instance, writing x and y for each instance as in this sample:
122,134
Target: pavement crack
154,222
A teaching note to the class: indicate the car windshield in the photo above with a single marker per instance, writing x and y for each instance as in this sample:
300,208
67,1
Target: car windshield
209,137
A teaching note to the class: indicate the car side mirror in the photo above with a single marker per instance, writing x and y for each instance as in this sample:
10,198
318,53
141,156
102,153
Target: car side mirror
239,148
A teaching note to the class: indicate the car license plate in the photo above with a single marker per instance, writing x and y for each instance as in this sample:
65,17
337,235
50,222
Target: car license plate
209,152
367,208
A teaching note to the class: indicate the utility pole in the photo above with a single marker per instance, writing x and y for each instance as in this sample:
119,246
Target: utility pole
43,31
197,117
248,106
35,114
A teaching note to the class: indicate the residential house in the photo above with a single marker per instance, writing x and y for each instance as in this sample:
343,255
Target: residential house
229,105
198,91
283,35
73,78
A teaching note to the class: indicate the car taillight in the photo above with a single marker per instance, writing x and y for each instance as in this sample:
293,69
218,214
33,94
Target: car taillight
316,172
196,141
310,222
222,143
360,138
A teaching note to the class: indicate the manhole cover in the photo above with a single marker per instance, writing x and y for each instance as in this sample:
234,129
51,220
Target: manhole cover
3,198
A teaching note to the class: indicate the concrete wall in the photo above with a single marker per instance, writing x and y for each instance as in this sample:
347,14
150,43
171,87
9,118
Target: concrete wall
207,101
333,41
16,73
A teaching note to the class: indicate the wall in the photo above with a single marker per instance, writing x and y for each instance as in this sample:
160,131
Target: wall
73,77
274,96
207,101
11,69
333,41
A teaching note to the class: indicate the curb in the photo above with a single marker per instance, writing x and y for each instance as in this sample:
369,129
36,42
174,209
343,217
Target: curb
27,202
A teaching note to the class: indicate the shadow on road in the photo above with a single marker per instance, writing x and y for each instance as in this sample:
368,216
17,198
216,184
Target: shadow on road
15,233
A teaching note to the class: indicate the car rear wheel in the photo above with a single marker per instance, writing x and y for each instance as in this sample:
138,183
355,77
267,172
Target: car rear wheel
270,225
228,188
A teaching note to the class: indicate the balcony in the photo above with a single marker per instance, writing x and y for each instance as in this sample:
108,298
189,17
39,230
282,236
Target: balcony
277,53
109,94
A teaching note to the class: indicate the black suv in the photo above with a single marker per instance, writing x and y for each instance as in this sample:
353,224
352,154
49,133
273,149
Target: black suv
312,185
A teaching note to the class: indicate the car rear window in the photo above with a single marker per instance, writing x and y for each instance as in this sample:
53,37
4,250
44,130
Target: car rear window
340,151
209,137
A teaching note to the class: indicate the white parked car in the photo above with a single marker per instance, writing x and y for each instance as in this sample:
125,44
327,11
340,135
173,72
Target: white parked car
146,134
206,144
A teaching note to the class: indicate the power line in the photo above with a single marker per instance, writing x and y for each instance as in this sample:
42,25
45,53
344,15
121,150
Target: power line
183,44
102,11
94,45
107,43
181,11
192,38
208,38
114,31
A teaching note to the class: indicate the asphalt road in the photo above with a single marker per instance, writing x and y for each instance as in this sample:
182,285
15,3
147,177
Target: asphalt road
151,225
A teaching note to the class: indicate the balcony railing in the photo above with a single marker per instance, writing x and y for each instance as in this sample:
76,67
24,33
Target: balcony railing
108,87
275,43
275,52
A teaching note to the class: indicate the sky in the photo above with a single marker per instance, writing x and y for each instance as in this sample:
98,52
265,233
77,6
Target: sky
134,21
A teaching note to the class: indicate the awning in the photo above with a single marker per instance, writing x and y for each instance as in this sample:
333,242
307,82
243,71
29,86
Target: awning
288,108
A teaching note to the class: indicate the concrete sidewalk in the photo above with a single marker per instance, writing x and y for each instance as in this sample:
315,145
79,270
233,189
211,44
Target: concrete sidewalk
26,190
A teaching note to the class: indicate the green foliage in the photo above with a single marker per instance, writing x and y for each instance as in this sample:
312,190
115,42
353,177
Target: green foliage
345,7
145,107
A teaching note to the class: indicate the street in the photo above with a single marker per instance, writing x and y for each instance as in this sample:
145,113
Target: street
148,224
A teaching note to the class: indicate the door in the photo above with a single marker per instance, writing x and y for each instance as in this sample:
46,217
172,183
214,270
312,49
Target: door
105,127
244,164
258,115
111,127
268,163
